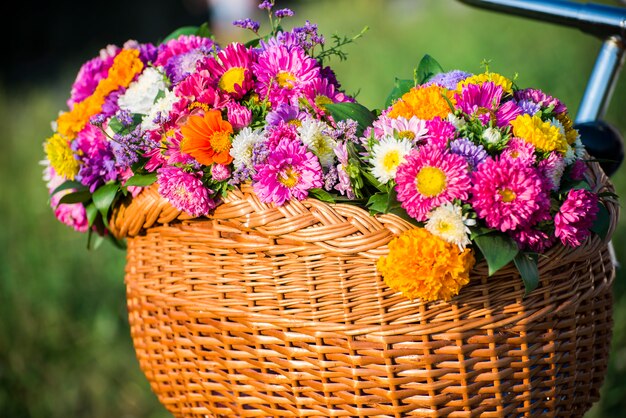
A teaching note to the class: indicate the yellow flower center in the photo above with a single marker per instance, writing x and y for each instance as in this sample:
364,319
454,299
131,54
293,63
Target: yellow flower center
198,105
289,177
321,101
234,76
508,195
285,79
295,122
220,141
391,160
410,135
431,181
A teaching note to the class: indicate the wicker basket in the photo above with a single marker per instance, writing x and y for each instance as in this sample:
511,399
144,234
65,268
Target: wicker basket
263,311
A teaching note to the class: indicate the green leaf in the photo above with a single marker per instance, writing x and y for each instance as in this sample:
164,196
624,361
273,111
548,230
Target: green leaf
94,240
92,213
355,111
185,30
427,69
498,249
204,31
378,202
575,185
323,195
69,184
253,43
119,128
103,199
141,180
373,180
603,222
527,266
76,197
400,87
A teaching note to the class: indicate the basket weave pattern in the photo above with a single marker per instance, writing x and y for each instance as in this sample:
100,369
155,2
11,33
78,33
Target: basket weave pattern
263,311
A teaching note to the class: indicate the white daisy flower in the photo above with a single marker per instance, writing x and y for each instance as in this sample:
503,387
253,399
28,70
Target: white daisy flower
312,134
162,106
387,155
242,146
142,93
447,222
456,121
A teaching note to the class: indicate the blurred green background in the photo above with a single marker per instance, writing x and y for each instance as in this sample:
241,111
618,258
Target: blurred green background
65,349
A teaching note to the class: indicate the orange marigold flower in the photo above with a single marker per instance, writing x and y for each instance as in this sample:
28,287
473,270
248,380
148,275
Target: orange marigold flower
208,138
125,67
426,103
422,265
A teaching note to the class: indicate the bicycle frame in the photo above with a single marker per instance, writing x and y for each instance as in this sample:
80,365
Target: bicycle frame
605,22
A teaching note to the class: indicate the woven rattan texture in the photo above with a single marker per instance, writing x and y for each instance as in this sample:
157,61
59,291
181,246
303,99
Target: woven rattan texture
279,312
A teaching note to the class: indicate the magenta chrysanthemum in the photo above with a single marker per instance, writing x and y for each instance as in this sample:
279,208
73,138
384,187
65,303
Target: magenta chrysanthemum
283,74
518,149
542,99
429,177
508,193
440,132
533,240
90,75
185,191
575,217
483,101
289,172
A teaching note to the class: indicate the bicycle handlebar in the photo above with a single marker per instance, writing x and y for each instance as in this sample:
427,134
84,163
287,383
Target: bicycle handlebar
596,19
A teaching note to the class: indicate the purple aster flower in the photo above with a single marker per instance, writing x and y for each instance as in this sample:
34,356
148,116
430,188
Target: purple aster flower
528,107
450,79
181,66
473,154
540,98
575,217
147,52
247,24
98,166
110,106
289,172
285,113
282,13
185,191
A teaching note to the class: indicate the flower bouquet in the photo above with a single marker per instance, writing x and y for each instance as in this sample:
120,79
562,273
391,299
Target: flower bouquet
293,253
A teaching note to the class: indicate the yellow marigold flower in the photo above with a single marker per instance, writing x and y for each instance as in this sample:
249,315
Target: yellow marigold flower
126,66
425,102
61,156
495,78
422,265
543,135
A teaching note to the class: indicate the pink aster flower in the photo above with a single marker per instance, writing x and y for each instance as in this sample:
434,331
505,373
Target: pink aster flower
73,215
322,91
518,149
440,132
552,169
533,239
429,177
508,194
185,191
91,73
182,45
542,99
220,172
575,217
283,130
284,74
197,88
239,116
344,185
413,129
484,102
289,171
231,70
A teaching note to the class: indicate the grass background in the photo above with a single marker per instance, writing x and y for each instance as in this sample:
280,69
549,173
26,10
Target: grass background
65,349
